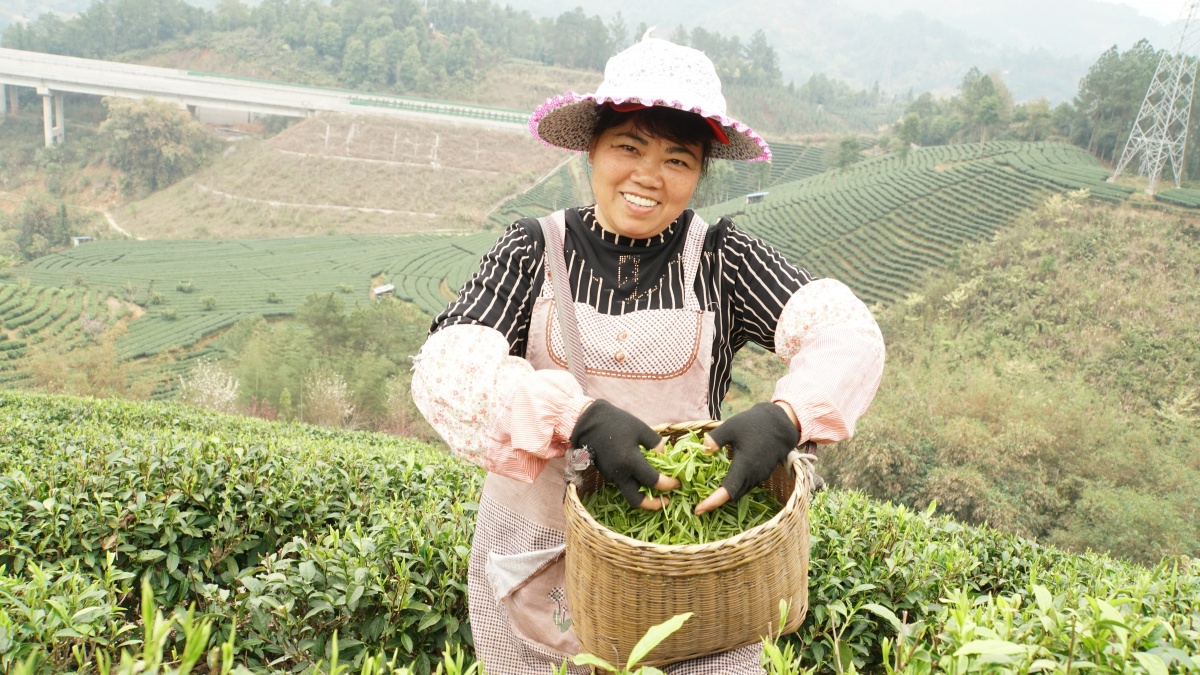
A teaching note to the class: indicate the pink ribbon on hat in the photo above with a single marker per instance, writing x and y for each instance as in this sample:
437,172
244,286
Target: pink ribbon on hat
630,107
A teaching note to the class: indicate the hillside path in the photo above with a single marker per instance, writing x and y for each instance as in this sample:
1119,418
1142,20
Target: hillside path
113,224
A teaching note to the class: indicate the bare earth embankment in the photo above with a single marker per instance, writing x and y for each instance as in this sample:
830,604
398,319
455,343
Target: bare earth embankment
337,174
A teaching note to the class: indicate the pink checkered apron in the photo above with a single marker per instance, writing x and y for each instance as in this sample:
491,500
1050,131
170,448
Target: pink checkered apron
654,364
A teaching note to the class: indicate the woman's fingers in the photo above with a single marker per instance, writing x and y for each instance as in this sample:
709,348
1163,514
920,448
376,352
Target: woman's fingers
710,446
716,499
661,447
653,503
666,483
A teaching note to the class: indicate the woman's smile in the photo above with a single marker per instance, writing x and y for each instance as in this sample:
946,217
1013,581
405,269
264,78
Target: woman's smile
641,182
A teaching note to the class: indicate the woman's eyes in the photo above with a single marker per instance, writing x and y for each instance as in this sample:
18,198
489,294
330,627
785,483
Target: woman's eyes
632,149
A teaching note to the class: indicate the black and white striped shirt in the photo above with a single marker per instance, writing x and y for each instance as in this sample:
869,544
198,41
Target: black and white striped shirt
745,282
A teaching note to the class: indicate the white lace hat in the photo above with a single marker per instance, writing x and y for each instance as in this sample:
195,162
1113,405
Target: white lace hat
651,72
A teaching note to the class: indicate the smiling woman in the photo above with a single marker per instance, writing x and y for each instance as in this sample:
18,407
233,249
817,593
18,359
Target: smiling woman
583,328
643,180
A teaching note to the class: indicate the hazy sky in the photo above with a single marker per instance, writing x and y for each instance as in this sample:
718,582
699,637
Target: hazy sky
1163,10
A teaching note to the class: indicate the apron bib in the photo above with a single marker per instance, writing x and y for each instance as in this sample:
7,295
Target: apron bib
654,364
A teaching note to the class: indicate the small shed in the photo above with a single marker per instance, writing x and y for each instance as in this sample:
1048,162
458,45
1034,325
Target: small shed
386,289
75,241
756,197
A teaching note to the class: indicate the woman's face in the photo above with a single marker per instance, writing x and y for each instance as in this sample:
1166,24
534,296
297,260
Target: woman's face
641,182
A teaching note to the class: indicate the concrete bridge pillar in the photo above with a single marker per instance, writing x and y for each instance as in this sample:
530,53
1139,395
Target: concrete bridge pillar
3,101
54,121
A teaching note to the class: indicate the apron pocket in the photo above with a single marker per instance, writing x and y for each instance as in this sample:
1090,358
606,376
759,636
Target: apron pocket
532,586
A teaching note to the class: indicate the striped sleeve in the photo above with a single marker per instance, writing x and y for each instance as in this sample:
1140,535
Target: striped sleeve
762,282
500,294
835,355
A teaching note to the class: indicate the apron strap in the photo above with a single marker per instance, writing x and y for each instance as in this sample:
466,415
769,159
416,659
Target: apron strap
693,248
554,227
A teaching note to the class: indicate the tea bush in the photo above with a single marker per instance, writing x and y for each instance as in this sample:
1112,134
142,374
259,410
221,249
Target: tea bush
302,549
213,510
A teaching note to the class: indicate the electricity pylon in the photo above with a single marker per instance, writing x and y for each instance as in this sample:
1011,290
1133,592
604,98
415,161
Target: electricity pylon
1160,132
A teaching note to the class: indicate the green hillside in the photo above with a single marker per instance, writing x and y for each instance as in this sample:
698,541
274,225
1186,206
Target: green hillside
880,224
295,532
192,289
1046,383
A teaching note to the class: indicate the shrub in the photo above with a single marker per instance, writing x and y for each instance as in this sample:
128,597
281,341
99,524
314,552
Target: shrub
185,286
208,303
299,530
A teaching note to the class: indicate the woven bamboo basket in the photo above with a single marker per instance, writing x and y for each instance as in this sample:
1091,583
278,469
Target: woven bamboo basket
618,587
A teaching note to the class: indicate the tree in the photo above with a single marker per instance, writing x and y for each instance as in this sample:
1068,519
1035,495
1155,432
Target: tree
155,143
466,50
1109,98
618,32
909,134
987,115
231,15
717,180
325,316
40,228
763,61
354,62
847,152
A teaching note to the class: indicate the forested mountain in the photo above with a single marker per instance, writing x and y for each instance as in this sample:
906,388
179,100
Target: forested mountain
441,51
901,45
1041,48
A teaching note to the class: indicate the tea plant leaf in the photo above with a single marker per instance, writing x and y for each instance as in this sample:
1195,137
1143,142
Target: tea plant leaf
655,635
593,661
886,614
988,647
1151,662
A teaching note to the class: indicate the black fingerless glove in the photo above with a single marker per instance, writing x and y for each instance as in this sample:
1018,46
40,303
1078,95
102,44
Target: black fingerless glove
761,438
613,436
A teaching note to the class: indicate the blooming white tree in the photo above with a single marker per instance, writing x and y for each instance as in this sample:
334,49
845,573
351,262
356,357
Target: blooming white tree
211,386
327,399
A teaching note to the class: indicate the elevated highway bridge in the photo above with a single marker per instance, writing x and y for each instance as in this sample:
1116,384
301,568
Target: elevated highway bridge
53,75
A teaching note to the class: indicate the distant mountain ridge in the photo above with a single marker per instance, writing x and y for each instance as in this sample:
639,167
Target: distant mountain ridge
909,44
1041,48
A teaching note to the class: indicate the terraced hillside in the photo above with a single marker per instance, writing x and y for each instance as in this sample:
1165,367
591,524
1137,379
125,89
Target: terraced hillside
62,318
1185,197
568,184
192,289
881,223
346,175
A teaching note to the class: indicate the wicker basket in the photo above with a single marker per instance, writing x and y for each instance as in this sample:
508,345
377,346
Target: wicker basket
618,587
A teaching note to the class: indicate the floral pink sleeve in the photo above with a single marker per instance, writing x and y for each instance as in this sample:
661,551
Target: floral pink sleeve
491,408
834,352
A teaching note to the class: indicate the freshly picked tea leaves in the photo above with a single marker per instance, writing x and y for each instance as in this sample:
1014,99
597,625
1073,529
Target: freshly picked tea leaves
676,523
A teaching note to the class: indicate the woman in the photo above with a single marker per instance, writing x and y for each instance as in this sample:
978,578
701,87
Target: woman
662,301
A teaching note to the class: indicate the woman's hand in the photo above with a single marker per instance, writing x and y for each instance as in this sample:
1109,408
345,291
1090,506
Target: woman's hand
613,437
761,438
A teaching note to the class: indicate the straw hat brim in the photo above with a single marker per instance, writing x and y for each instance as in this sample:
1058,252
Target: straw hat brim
567,122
